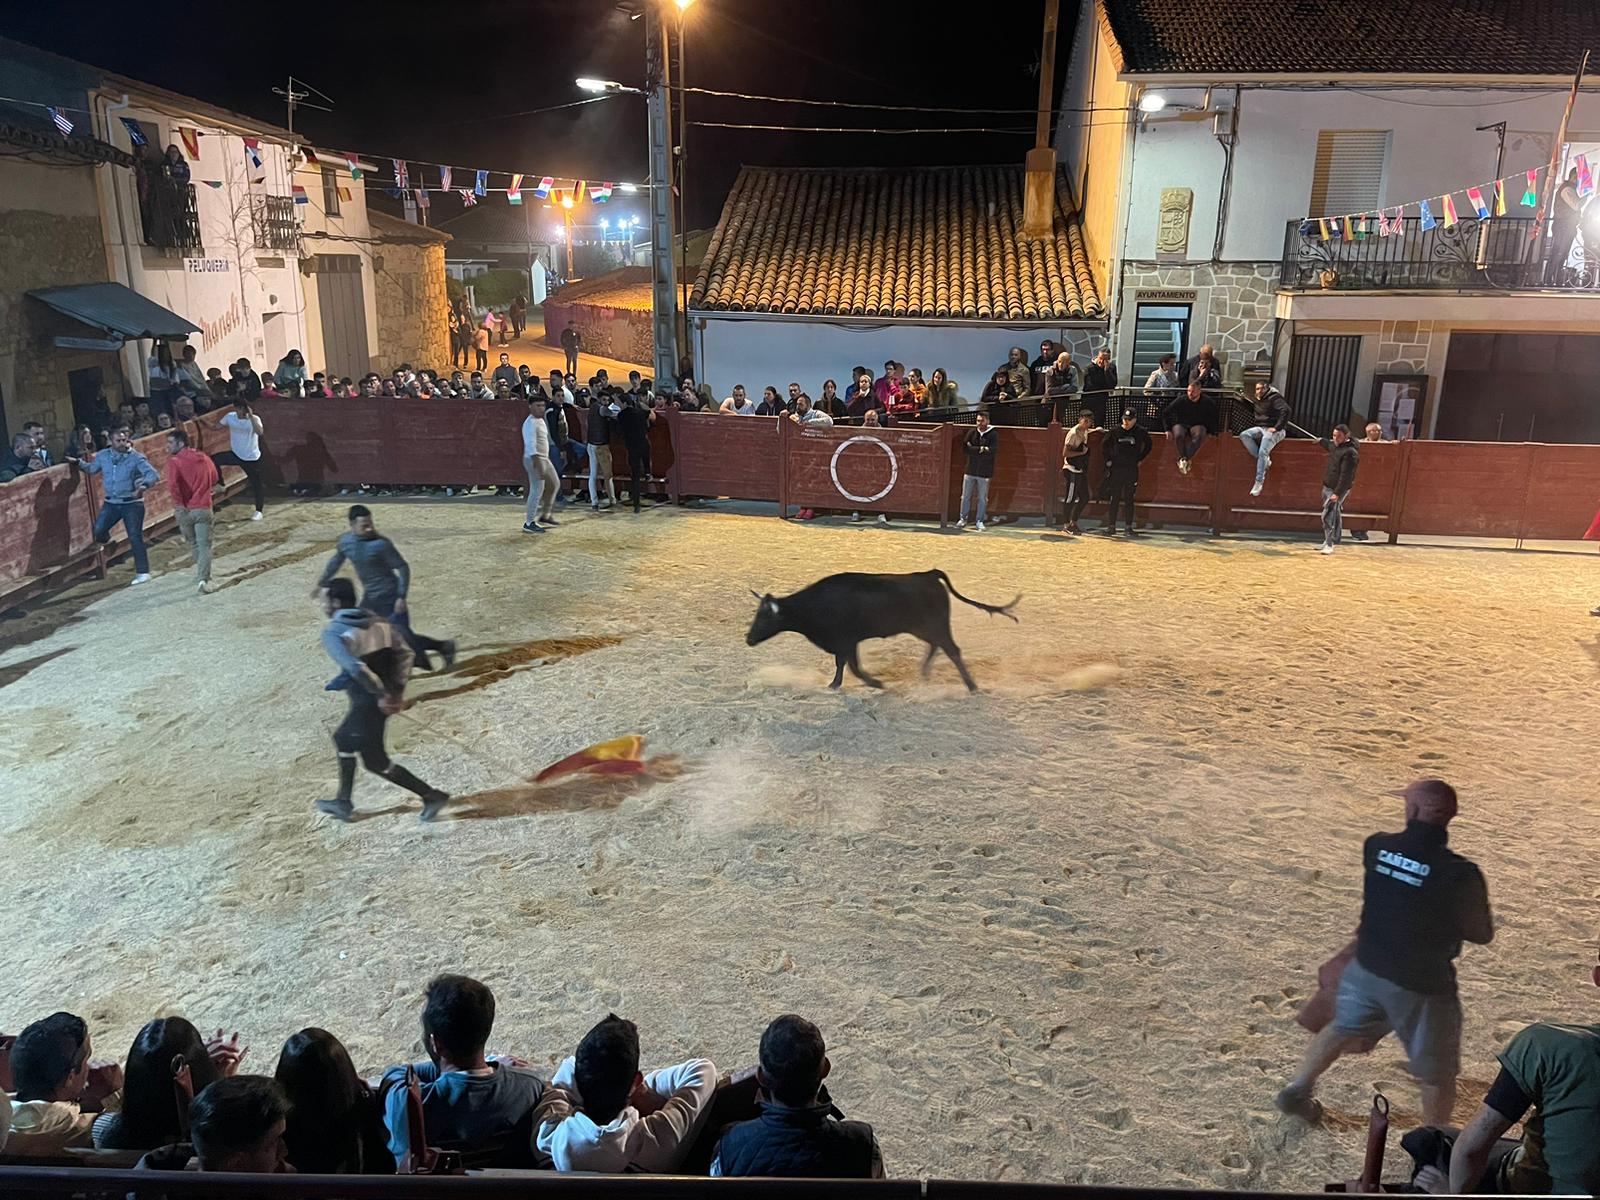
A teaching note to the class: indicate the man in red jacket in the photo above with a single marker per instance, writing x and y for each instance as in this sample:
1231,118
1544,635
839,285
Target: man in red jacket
190,478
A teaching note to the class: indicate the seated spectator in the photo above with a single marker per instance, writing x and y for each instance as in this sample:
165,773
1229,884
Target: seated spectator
184,409
482,1108
388,389
688,398
1373,432
335,1121
192,381
82,442
941,391
1164,377
770,405
58,1089
163,422
864,400
1017,373
291,371
794,394
243,381
237,1126
1039,369
799,1132
999,388
889,385
318,388
269,386
601,1114
1188,420
916,387
215,383
739,404
502,389
807,413
830,401
341,390
150,1116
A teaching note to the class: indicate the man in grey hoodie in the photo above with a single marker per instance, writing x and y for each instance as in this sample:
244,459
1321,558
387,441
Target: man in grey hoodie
372,653
385,578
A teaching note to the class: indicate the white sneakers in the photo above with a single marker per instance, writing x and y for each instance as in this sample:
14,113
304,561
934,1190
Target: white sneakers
205,587
1183,465
979,526
1255,488
1325,549
257,515
961,522
143,577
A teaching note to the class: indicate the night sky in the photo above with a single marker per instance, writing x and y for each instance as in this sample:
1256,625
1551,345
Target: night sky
430,81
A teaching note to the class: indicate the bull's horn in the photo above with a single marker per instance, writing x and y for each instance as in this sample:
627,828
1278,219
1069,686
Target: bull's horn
756,594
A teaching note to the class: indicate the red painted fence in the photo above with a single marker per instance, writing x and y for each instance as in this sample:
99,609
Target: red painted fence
1503,490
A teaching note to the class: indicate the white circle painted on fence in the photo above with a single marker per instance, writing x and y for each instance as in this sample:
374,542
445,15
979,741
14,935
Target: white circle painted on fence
894,468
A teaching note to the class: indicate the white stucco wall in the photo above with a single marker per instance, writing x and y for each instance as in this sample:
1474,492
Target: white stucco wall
348,233
228,304
1434,147
756,351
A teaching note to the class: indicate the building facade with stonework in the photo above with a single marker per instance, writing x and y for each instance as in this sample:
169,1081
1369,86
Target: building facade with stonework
812,271
413,305
1206,152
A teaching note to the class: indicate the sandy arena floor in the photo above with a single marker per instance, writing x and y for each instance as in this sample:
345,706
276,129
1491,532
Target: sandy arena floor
1055,931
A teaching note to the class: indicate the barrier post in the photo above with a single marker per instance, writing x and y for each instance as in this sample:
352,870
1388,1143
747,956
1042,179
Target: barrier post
1527,491
946,451
1397,499
675,428
783,470
1226,420
1052,470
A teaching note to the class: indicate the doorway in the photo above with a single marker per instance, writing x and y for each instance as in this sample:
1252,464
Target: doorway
1519,387
1158,329
342,304
1322,379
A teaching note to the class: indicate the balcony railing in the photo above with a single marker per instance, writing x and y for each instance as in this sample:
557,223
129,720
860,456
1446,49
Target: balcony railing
273,219
1496,254
167,214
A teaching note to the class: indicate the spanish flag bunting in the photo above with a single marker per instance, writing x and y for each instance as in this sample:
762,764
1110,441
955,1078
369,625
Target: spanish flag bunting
345,194
1530,193
619,756
1499,197
191,142
577,192
1349,234
1322,227
1449,211
1480,206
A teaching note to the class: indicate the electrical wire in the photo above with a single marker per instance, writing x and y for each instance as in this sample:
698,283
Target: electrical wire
853,129
918,108
527,112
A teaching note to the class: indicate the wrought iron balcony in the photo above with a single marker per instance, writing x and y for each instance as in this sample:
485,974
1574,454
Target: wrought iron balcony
1496,254
274,222
167,214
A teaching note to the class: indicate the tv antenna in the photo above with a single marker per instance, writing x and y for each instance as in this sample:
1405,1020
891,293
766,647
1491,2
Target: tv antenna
293,98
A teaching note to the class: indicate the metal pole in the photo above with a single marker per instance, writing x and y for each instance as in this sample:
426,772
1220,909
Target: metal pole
663,270
686,347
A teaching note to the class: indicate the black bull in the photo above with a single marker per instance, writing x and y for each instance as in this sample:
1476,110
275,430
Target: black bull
841,611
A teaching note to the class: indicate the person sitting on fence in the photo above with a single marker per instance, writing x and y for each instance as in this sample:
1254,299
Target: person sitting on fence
799,1134
942,391
58,1090
1337,479
1202,366
335,1121
601,1114
997,389
151,1115
1164,378
1271,427
864,400
1017,373
1188,418
1075,471
1100,378
1039,369
479,1106
771,405
739,403
980,444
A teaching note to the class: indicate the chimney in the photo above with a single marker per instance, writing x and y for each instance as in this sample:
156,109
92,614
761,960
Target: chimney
1039,189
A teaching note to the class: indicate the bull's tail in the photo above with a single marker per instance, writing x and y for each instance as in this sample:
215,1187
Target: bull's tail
1003,609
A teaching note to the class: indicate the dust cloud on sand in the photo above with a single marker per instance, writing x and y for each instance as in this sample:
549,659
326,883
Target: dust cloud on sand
1056,930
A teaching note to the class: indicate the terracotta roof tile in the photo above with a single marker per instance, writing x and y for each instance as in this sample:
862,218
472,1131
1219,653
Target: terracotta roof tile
1465,37
930,242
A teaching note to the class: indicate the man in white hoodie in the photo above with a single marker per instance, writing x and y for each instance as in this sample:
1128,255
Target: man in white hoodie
600,1114
60,1089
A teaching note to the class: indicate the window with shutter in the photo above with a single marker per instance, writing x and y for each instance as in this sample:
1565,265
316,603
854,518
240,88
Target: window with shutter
1349,172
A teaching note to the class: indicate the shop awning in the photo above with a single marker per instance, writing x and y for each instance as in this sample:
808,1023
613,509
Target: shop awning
119,310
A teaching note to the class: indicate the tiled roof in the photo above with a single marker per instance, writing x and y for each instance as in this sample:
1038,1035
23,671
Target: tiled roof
1406,37
928,242
392,229
626,288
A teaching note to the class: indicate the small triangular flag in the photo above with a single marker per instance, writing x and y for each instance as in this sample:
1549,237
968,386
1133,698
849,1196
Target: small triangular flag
577,192
467,198
344,193
1426,214
422,197
479,189
355,166
1585,175
1530,193
1449,207
252,151
444,179
1322,227
542,192
514,192
136,135
601,192
1397,227
402,177
1479,205
212,183
191,142
1499,197
62,121
311,156
299,194
1349,234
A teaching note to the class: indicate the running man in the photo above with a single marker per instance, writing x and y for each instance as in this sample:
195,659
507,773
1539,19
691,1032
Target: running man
385,579
368,650
244,441
126,475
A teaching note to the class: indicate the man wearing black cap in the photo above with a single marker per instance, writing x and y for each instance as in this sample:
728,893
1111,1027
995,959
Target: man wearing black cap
1125,447
1421,900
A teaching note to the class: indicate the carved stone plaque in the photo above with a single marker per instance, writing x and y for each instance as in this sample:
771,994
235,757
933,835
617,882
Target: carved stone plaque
1172,224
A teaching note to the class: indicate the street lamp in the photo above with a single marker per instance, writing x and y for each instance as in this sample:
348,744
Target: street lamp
606,87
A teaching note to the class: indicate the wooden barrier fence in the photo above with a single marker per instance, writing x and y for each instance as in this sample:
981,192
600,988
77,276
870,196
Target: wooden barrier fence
1421,488
47,517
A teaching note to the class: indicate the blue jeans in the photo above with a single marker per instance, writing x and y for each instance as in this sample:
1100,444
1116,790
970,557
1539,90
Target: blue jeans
1259,442
131,514
975,485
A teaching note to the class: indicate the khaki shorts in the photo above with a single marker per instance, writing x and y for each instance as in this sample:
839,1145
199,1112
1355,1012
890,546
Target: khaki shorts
1428,1026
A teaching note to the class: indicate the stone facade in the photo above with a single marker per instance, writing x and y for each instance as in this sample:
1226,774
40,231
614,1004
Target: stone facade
1403,347
1240,319
413,306
39,250
621,334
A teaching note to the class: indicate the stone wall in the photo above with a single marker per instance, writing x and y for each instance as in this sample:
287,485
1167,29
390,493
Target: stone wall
39,250
1403,347
1240,320
413,306
621,334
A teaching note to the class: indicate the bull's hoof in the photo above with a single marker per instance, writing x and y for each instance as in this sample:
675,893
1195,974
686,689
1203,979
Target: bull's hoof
834,686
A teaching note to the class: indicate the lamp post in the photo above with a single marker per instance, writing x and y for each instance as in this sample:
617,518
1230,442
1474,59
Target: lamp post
683,151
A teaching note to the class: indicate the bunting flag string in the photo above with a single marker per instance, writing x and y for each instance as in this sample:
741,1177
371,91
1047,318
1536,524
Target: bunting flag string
444,179
191,142
514,192
401,178
252,151
1475,198
136,135
1486,200
1449,210
355,166
481,187
467,198
61,121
